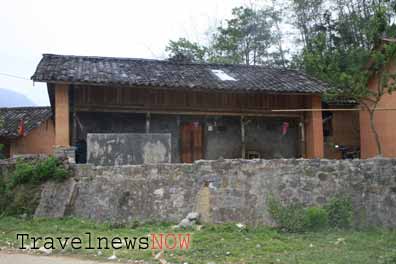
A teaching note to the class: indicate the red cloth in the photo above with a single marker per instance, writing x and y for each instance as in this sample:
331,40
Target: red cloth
285,128
21,128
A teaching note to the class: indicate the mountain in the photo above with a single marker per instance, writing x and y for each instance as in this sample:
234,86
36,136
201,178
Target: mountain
10,98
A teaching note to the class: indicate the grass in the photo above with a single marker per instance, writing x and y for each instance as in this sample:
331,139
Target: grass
219,243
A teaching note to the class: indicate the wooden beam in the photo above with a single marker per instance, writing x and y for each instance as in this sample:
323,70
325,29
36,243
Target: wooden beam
204,113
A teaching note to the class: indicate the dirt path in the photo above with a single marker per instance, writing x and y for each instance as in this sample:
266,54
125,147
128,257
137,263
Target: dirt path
15,258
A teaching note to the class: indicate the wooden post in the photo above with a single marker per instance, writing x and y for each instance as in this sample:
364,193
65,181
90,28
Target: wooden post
243,149
301,128
148,118
314,128
62,130
74,115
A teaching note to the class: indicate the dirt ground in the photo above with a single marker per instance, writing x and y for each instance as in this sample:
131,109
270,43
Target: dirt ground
15,258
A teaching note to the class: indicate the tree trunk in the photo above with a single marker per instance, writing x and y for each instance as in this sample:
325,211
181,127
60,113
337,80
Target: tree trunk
374,130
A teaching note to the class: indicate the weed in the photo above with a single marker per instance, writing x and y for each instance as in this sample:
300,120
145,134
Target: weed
316,218
340,212
37,172
289,217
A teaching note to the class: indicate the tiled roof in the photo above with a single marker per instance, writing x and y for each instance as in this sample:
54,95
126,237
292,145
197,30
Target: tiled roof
342,101
172,74
31,116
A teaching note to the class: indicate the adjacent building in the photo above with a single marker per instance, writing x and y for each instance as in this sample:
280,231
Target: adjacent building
341,129
26,130
384,120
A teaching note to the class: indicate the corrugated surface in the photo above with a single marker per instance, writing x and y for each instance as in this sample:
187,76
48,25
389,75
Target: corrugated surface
162,73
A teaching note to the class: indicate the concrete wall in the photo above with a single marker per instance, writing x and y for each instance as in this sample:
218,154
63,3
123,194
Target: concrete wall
40,140
223,191
221,139
132,148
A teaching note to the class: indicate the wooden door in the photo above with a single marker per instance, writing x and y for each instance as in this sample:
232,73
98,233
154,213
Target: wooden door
191,142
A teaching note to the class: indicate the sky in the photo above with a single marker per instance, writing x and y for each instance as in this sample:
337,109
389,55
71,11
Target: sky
117,28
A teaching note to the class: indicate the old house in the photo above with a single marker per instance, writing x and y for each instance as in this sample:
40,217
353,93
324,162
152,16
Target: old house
26,130
114,107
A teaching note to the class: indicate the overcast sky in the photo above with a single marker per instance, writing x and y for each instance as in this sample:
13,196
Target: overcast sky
122,28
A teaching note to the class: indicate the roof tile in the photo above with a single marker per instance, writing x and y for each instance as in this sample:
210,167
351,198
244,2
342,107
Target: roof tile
31,116
166,73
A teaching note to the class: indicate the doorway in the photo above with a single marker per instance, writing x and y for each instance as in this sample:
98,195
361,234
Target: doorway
191,142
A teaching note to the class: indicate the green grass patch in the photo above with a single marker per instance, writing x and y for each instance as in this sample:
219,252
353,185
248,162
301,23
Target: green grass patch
20,187
219,243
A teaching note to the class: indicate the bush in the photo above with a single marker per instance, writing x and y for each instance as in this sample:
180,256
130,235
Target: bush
20,189
290,217
38,172
316,218
295,218
340,212
23,173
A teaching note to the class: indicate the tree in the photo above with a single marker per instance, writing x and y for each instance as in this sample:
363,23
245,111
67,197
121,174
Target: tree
279,56
339,39
245,38
188,49
307,14
354,83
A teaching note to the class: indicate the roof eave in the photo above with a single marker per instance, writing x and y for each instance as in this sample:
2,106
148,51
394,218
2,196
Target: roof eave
255,91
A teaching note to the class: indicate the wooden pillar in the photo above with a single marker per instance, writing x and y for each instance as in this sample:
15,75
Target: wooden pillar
314,128
301,127
243,138
74,115
62,130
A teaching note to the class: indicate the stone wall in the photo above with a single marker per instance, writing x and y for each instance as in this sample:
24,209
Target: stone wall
224,190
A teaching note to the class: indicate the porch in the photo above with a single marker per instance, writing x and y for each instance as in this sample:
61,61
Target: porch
202,125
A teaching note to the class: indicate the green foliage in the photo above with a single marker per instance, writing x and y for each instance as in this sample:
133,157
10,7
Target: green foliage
293,217
20,187
245,38
290,218
316,218
21,200
188,49
23,173
36,172
340,212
